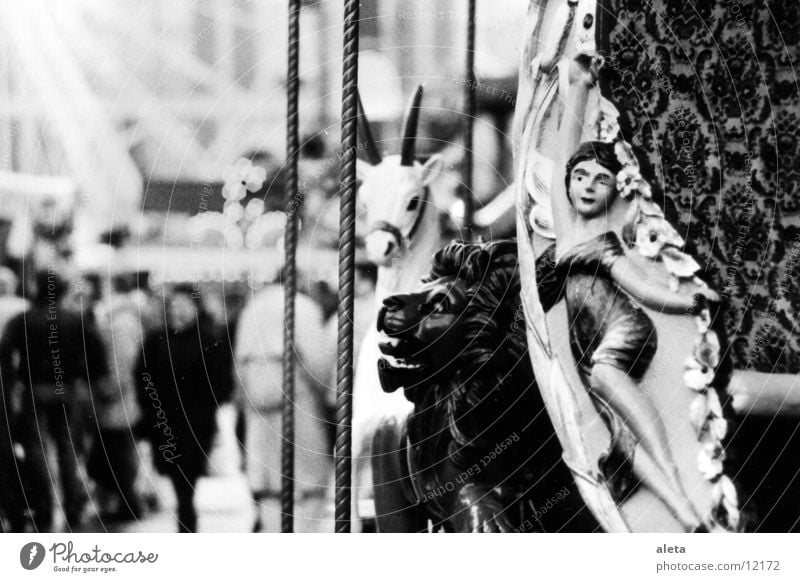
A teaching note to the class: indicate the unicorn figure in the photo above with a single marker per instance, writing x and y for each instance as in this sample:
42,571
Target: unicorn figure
402,201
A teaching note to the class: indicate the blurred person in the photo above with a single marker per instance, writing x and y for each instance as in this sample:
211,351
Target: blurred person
149,308
149,312
223,311
181,382
12,514
113,462
227,457
55,355
11,304
12,509
41,236
259,371
82,293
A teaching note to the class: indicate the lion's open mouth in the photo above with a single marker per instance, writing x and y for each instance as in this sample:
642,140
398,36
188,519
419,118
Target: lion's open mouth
400,353
401,363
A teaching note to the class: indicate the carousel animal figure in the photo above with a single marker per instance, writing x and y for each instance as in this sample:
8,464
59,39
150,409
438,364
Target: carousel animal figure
402,202
478,453
624,336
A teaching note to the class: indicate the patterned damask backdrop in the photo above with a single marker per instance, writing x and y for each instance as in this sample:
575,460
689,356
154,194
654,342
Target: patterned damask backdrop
710,94
709,91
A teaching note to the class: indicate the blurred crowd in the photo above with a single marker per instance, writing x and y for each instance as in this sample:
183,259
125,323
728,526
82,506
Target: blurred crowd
111,382
107,384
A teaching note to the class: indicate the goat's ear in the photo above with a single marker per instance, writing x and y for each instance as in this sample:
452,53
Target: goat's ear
431,169
363,170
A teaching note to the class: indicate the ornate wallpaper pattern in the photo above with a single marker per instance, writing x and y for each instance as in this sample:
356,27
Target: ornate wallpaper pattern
709,91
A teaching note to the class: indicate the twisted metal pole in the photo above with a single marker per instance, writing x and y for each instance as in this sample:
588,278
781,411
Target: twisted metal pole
470,108
293,200
347,235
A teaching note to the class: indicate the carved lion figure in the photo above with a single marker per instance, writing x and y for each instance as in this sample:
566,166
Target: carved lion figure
478,452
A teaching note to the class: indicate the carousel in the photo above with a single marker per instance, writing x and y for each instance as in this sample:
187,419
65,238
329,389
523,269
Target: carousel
548,357
578,378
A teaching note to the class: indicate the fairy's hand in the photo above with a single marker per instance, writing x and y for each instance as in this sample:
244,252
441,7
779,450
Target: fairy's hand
702,297
709,294
584,70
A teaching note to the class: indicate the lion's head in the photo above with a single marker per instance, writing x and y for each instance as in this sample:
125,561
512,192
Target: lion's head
458,349
461,332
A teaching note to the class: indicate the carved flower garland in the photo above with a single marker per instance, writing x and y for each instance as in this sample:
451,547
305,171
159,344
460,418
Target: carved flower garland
655,238
629,178
653,234
711,428
630,181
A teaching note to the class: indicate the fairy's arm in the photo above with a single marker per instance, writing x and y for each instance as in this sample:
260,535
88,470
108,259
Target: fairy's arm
653,294
570,131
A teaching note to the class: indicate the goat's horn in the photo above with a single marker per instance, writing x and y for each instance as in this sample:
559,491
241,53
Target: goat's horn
410,128
365,135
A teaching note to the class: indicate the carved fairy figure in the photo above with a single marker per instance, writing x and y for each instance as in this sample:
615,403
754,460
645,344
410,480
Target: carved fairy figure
625,338
612,338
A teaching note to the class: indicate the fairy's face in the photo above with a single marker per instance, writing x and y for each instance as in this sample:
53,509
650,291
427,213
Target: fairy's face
592,189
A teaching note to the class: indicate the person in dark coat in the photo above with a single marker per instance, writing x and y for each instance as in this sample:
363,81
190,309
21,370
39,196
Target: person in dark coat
113,462
12,495
55,354
182,380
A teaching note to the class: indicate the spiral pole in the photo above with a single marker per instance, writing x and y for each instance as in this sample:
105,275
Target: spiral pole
470,109
347,234
293,200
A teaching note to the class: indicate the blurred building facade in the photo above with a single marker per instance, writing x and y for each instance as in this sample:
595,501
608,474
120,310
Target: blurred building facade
144,107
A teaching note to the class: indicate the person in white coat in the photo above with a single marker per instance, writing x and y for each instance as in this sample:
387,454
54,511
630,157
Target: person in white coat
113,462
259,379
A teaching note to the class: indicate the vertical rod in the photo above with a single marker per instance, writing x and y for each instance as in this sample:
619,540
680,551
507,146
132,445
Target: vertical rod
293,200
470,109
347,235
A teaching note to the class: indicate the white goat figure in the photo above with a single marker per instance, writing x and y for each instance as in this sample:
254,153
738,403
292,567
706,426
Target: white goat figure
404,231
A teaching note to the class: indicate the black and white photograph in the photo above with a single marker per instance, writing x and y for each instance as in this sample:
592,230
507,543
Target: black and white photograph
386,266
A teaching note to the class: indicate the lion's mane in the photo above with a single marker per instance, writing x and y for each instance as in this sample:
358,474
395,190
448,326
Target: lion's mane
493,394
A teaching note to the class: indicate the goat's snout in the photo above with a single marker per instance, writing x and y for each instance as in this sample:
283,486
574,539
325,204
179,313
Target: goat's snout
382,246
